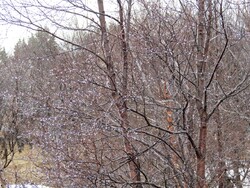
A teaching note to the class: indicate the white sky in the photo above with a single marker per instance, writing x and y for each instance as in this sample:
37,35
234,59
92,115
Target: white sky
10,34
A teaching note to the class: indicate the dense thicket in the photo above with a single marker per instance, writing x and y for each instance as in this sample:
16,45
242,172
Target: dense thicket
153,94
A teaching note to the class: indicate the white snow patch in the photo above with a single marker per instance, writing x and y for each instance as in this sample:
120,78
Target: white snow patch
26,186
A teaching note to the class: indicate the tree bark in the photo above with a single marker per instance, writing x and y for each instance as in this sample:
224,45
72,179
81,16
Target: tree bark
201,101
171,128
221,176
201,159
120,101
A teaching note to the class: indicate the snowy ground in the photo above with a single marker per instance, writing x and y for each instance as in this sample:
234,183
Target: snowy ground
26,186
244,173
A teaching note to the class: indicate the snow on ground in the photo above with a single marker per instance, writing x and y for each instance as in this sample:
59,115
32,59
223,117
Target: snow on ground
26,186
244,173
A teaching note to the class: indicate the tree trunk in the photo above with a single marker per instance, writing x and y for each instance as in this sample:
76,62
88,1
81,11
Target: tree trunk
203,41
133,162
120,101
171,128
221,176
201,159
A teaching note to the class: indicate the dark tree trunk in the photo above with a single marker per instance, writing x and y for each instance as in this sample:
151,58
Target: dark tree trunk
120,101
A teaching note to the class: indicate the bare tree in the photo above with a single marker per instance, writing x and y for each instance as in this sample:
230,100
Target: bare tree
138,92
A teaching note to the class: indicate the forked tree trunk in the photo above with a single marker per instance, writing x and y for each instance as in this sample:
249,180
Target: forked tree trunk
120,101
134,164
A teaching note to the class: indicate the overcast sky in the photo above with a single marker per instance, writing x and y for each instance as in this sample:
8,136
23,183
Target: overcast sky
10,34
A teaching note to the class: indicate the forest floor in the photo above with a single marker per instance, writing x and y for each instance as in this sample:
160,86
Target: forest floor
24,169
